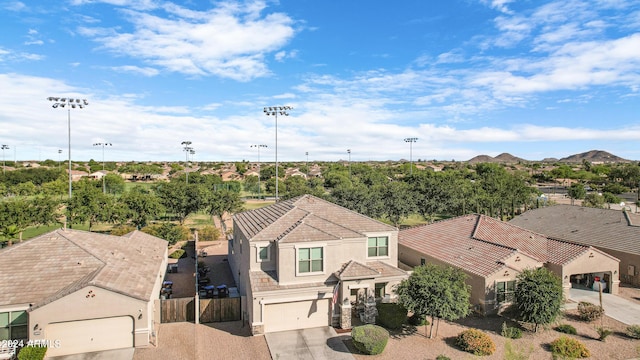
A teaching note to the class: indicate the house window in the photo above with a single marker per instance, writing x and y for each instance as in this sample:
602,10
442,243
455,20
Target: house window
505,291
13,325
310,260
378,246
263,253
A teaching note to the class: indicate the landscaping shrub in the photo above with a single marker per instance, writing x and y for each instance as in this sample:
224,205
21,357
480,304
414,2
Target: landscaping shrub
209,233
566,347
369,339
442,357
391,315
566,328
588,311
634,331
32,353
168,231
178,254
475,342
417,320
120,230
603,333
510,331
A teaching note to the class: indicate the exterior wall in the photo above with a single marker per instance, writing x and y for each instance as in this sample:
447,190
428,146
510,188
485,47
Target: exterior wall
590,262
626,275
92,303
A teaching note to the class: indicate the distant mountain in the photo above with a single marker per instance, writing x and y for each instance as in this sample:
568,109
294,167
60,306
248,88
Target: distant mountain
593,156
504,158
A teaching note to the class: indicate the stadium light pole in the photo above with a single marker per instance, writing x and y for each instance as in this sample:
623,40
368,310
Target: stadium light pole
104,184
275,111
187,149
59,152
349,163
69,103
4,166
306,164
411,141
258,147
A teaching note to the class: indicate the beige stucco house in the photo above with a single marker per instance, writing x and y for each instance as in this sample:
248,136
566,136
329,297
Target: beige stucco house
493,253
290,258
615,232
82,292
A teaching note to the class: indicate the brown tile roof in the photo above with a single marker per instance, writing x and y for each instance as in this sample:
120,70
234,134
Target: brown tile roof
479,244
268,281
372,269
305,218
603,228
52,265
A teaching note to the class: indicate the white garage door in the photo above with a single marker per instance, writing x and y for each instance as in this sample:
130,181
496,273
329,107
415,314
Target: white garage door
90,335
296,315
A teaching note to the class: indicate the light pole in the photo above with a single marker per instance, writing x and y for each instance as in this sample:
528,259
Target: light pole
349,163
187,149
104,184
274,111
259,146
4,147
59,152
69,103
411,141
306,164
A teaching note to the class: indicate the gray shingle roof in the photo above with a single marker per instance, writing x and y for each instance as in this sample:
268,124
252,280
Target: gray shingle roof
52,265
305,218
268,281
603,228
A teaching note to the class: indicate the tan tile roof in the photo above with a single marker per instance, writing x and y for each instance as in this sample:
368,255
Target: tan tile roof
52,265
268,281
479,244
603,228
305,218
372,269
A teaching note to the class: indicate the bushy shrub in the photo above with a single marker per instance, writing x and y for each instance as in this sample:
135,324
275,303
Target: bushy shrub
588,311
475,342
566,328
442,357
178,254
603,333
418,320
168,231
32,353
634,331
391,315
209,233
567,347
369,339
122,230
511,332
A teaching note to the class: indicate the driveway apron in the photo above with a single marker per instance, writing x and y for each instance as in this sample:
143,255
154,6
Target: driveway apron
615,307
308,344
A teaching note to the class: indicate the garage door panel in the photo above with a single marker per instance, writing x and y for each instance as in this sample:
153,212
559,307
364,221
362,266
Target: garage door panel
296,315
90,335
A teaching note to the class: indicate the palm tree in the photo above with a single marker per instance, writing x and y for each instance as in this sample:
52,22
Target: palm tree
9,233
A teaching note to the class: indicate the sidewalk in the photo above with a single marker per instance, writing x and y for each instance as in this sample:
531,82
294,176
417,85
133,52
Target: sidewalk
615,307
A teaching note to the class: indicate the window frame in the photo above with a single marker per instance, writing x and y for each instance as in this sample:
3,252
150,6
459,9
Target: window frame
259,247
505,296
377,247
310,260
10,327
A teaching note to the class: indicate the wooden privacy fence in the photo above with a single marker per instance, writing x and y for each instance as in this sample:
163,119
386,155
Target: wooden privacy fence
211,310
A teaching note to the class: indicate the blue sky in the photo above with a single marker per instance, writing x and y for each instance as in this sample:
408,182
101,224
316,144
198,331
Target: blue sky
535,79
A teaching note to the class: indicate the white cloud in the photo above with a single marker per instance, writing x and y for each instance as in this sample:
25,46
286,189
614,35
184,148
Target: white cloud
228,41
146,71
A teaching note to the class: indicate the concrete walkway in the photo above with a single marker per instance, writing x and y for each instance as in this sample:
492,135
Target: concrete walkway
615,307
308,344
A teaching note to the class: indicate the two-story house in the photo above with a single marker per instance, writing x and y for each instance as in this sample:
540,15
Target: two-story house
306,262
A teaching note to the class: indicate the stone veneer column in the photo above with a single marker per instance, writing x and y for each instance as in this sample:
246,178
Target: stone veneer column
345,315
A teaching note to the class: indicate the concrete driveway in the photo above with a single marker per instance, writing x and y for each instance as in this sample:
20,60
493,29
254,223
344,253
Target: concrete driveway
120,354
312,344
623,310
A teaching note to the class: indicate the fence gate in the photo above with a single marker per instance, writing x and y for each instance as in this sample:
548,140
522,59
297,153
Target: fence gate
211,310
177,310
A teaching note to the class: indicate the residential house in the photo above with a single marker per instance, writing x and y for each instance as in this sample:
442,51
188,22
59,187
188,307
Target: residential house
76,175
615,232
82,292
98,175
493,253
306,262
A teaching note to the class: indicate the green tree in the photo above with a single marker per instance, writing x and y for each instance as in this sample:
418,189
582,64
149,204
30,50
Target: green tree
180,199
538,296
114,183
594,200
398,201
142,205
436,291
576,191
219,202
89,204
251,184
